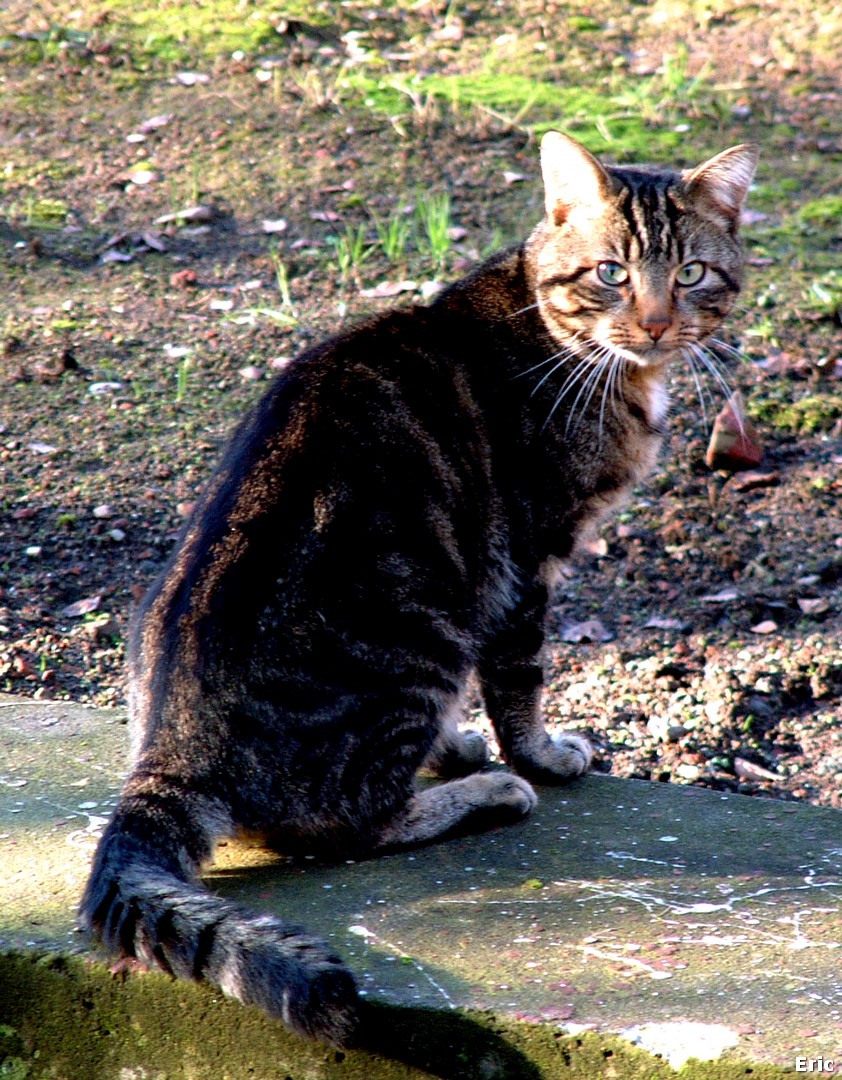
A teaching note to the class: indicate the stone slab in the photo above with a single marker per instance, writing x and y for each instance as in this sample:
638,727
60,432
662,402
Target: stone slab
658,911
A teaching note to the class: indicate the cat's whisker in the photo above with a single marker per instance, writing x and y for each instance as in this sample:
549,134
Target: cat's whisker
727,387
729,349
523,310
603,356
565,349
551,372
540,364
687,351
615,375
714,367
585,363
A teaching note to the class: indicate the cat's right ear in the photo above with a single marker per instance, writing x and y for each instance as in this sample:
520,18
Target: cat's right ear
572,177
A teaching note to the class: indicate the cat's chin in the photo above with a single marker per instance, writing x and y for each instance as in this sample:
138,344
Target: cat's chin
649,359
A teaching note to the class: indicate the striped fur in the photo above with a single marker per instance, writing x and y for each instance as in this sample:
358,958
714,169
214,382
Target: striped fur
385,522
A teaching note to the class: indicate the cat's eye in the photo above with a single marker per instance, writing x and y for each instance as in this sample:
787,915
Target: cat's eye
612,273
691,273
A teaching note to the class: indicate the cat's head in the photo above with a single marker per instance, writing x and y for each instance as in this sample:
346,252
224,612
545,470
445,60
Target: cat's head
643,261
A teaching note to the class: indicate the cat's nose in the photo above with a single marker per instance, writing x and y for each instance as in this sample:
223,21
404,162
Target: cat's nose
656,328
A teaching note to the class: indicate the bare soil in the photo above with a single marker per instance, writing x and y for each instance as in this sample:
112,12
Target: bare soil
133,334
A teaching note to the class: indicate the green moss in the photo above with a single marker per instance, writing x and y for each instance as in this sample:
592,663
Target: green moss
825,294
813,413
825,212
63,1018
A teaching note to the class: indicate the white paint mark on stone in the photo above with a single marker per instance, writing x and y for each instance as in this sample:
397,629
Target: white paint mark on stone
678,1041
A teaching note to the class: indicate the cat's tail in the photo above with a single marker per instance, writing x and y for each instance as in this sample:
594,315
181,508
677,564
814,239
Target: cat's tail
144,901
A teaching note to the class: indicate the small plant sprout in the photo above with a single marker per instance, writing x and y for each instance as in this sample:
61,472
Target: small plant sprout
433,218
282,280
182,379
392,235
352,250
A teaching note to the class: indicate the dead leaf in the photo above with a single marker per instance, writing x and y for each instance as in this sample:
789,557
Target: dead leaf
251,373
199,213
768,626
154,241
156,122
591,630
389,288
659,623
512,177
734,443
814,607
752,480
81,607
183,279
191,78
747,770
113,255
725,596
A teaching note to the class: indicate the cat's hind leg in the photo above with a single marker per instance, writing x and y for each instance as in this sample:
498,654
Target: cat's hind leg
471,804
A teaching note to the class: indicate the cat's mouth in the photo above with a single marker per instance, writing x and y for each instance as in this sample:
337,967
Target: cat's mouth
653,354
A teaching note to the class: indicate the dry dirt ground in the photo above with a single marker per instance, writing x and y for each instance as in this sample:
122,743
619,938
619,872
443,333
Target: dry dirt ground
177,220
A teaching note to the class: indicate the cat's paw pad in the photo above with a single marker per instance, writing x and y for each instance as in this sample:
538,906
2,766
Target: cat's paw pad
574,751
550,759
506,790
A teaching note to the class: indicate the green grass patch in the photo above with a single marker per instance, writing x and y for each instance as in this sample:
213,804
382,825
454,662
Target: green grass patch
600,121
171,33
182,33
39,213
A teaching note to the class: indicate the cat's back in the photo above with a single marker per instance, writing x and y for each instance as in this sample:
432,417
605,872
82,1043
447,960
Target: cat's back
364,470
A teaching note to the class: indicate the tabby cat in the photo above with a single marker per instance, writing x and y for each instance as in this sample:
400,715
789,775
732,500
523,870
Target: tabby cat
387,520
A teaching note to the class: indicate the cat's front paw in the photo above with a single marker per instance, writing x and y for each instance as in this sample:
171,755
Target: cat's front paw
504,790
554,758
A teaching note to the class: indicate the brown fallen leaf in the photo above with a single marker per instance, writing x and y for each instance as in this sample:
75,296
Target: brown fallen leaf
250,373
81,607
389,288
725,596
814,607
587,631
659,622
734,443
183,279
747,770
751,480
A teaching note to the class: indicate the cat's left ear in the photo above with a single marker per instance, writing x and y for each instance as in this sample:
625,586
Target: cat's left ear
572,177
723,182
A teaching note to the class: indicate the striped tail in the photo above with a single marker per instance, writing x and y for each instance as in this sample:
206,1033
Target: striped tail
142,902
